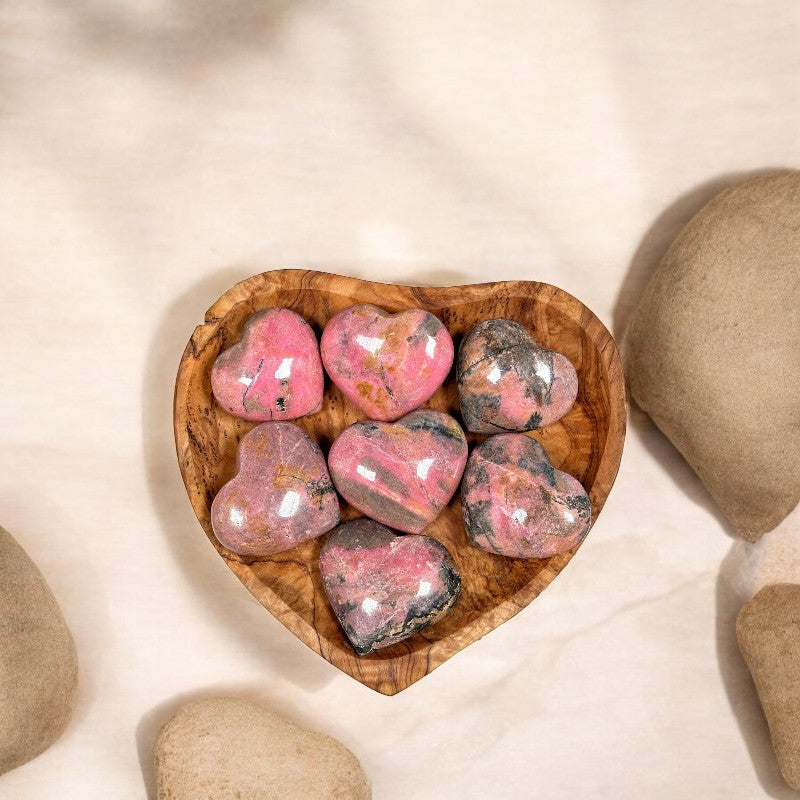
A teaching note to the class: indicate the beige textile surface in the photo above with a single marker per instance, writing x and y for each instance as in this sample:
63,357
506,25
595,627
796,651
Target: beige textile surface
153,152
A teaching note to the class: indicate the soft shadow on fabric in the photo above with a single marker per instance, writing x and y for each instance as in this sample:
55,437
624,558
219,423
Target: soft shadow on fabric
184,37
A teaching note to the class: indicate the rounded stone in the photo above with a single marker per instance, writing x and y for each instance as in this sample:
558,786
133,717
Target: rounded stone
231,749
712,352
769,638
38,663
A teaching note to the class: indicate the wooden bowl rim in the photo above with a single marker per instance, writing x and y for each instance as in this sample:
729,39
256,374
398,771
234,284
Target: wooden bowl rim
367,669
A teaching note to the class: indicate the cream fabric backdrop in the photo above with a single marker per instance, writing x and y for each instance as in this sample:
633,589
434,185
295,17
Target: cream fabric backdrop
153,152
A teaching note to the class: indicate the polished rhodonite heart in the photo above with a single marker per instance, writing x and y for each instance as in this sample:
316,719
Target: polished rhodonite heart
383,586
517,504
400,473
280,496
274,372
507,382
386,364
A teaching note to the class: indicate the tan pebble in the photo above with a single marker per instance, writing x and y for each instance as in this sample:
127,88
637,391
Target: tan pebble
38,663
712,353
768,630
229,749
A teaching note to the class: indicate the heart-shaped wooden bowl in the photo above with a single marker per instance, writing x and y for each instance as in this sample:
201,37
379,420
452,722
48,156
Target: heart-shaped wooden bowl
587,443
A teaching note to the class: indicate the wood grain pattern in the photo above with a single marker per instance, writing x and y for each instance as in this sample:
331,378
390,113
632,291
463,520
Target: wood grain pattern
587,443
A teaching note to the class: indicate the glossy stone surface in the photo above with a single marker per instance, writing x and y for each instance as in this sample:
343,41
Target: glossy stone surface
517,504
274,372
280,496
383,586
386,364
400,473
507,382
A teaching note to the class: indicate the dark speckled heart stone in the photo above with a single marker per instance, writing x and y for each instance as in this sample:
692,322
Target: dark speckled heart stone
517,504
507,382
384,586
400,473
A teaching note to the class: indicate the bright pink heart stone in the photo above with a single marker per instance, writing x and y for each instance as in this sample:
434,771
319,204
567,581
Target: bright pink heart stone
280,496
386,364
400,473
274,372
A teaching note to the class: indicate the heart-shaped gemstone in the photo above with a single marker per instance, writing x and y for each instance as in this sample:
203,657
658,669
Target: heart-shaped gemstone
386,364
517,504
274,372
280,496
383,586
507,382
400,473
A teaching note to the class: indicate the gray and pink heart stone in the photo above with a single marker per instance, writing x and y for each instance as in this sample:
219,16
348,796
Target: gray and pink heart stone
400,473
517,504
384,587
507,382
280,496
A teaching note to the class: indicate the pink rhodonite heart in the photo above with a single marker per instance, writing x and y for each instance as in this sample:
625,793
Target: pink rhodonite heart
280,496
400,473
386,364
274,372
507,382
384,587
517,504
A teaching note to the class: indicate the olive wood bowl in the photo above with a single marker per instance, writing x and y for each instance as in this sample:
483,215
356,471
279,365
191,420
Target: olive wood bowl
586,443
